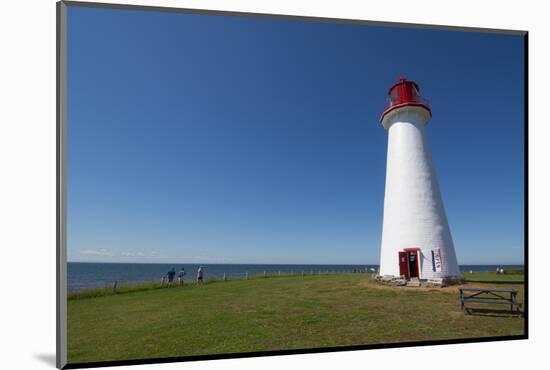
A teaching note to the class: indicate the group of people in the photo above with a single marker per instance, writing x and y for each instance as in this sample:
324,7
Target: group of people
171,275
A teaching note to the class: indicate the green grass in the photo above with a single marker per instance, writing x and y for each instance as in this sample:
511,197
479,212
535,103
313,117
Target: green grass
494,277
514,271
287,312
109,290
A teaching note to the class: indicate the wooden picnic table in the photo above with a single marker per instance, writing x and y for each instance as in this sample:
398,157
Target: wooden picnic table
490,296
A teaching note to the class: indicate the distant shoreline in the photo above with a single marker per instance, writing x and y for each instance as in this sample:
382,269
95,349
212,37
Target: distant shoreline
276,264
85,275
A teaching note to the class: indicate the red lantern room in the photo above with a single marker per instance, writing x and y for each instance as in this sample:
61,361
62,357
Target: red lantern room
404,93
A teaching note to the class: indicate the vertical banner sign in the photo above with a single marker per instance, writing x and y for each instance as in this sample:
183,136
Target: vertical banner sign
436,260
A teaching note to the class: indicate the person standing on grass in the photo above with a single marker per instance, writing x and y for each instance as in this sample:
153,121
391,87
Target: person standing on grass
199,275
171,275
181,274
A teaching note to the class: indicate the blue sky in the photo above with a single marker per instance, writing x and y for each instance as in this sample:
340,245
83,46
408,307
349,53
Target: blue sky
195,138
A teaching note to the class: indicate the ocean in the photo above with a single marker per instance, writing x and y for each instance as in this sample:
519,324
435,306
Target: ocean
85,275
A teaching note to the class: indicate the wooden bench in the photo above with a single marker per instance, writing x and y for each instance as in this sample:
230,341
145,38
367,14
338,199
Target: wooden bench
490,296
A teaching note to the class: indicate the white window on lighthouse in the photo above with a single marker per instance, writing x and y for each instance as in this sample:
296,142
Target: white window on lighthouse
415,92
393,95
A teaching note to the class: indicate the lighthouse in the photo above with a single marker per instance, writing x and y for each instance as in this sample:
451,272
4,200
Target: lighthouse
416,238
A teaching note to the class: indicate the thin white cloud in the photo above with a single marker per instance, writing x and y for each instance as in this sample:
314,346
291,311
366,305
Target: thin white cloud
141,254
148,255
206,258
194,257
97,252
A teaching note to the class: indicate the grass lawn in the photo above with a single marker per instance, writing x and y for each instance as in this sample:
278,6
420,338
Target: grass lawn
263,314
493,278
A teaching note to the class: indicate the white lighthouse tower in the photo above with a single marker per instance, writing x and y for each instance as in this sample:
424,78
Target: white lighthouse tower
416,239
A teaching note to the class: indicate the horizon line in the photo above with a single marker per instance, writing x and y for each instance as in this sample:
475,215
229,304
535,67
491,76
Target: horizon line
290,264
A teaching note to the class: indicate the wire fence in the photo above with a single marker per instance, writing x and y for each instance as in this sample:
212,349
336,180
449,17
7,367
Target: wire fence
131,285
228,276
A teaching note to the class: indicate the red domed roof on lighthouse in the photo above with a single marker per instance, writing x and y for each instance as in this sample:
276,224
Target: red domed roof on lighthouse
404,93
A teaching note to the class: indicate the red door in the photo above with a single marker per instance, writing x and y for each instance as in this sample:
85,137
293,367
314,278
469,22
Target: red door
413,256
413,264
404,264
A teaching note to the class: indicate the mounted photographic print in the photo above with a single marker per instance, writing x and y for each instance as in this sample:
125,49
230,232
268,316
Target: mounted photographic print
236,185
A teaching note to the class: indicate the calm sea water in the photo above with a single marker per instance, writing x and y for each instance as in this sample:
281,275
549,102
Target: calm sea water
82,275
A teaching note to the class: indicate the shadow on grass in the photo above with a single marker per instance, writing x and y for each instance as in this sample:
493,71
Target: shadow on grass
491,312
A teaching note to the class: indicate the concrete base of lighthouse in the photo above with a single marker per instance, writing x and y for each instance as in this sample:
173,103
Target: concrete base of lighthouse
416,239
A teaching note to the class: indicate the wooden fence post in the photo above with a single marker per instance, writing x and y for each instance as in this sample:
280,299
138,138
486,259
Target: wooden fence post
246,275
114,286
265,273
224,277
